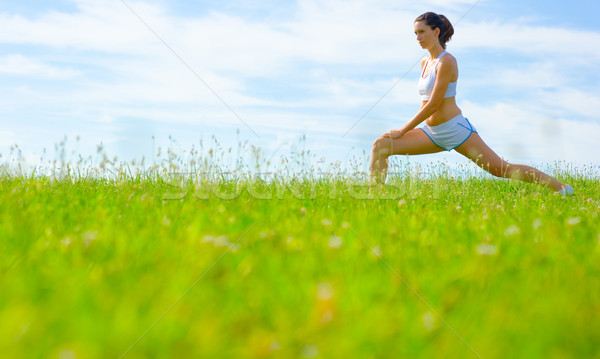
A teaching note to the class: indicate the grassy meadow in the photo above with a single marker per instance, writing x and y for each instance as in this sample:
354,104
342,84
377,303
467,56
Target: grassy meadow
165,266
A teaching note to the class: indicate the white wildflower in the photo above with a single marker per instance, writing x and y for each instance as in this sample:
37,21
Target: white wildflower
486,249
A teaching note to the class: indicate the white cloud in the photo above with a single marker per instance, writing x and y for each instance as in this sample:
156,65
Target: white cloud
554,87
524,132
105,26
26,66
543,43
574,103
7,138
325,32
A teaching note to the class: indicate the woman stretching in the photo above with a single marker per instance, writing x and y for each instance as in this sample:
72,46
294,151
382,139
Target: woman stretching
445,127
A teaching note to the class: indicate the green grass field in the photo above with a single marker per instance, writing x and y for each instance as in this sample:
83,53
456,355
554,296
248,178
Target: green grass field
150,266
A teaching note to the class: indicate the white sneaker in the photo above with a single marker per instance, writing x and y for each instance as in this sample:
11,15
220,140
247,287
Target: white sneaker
566,190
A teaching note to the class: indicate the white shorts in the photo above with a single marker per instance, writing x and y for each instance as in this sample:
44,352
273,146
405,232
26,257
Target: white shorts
451,133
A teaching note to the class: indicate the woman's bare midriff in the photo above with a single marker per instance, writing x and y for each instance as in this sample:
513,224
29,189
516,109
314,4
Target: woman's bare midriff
447,111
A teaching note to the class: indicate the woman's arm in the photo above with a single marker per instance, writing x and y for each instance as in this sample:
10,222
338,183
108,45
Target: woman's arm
445,71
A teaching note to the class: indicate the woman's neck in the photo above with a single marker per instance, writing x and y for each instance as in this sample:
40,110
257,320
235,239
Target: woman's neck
435,51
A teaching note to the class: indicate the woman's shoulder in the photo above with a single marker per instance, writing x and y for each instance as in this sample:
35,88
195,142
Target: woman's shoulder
448,58
448,62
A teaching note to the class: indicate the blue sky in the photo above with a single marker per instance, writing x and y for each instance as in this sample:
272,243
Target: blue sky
89,69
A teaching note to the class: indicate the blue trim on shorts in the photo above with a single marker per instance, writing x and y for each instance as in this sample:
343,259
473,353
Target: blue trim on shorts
469,136
425,132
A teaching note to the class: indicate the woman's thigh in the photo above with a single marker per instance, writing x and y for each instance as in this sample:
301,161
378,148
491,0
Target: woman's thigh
414,142
479,152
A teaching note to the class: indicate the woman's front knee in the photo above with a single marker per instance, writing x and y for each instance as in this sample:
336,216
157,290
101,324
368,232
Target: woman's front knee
380,144
380,140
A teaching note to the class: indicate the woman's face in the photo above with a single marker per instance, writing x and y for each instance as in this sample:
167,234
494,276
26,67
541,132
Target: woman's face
426,37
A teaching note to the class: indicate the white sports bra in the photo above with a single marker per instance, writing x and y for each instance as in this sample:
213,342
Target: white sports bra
426,83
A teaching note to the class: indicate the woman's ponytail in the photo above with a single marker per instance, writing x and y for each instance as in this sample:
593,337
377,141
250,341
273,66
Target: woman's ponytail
446,35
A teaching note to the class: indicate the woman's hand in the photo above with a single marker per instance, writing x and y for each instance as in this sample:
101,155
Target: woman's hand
394,134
